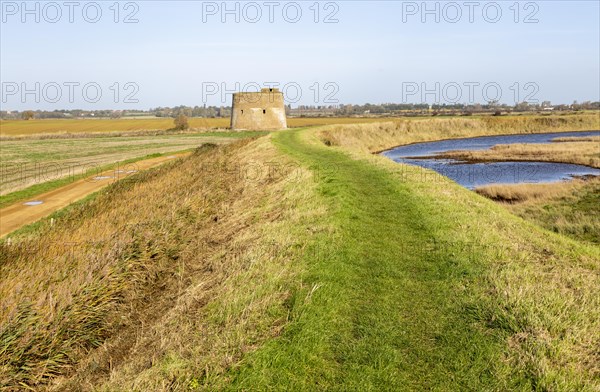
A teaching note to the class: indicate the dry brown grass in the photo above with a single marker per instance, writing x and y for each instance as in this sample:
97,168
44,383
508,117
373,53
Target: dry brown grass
513,193
116,292
571,208
298,122
578,139
580,152
381,136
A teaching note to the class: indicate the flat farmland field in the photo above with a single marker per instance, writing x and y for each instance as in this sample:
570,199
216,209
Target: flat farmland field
31,127
54,126
39,163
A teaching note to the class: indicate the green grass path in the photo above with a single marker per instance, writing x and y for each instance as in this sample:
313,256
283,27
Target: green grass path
380,311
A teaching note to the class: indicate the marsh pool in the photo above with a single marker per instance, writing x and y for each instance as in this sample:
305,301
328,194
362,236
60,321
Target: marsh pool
472,175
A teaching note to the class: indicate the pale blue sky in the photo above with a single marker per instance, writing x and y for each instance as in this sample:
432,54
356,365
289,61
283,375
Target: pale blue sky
369,55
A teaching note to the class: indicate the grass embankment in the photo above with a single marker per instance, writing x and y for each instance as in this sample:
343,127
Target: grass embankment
571,208
336,271
581,151
172,275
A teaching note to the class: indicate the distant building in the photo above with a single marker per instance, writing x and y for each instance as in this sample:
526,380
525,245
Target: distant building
547,105
264,110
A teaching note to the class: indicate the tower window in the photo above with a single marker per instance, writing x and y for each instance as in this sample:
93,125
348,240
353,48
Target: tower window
264,111
242,111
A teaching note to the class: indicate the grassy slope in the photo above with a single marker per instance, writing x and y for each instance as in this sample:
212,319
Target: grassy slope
187,266
577,215
386,311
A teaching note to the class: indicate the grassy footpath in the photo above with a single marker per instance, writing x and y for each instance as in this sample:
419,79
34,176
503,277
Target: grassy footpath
383,314
387,310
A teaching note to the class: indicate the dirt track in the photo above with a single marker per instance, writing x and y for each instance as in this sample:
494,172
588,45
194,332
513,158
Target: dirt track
19,214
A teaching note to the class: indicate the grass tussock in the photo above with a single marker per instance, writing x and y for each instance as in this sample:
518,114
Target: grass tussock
577,139
385,135
515,193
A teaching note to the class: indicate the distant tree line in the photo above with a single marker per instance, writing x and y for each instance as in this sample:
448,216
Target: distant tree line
389,109
196,111
29,114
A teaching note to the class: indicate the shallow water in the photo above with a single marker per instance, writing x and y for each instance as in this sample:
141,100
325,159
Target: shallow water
33,203
472,175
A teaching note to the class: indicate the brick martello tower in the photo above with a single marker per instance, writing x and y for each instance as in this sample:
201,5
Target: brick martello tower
264,110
